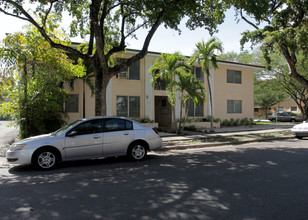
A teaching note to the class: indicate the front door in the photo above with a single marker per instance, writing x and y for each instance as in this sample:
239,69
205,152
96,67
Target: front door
163,113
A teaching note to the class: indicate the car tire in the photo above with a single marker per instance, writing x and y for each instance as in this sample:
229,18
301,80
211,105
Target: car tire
46,159
137,151
274,120
293,120
299,137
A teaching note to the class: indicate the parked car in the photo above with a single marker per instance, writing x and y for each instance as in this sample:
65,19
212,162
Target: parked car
300,130
286,117
85,139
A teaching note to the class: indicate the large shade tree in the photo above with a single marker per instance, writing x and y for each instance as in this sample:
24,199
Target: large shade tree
109,23
278,24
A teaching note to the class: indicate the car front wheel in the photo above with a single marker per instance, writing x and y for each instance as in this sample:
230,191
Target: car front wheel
137,151
45,159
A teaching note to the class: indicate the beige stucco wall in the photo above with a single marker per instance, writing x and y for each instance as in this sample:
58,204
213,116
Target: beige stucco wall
126,87
286,105
222,91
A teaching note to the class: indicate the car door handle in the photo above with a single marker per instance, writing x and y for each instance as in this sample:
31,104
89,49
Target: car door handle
126,133
96,137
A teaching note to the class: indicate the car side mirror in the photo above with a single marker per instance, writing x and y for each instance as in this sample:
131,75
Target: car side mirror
72,133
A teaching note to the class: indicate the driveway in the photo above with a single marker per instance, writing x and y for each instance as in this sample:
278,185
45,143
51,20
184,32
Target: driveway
7,134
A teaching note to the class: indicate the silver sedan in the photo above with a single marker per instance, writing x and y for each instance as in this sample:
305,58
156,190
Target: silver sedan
85,139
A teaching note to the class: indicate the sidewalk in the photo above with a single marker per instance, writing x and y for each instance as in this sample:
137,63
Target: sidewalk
170,139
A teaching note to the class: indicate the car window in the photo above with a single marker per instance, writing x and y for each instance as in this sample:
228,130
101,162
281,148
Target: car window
89,127
58,132
116,124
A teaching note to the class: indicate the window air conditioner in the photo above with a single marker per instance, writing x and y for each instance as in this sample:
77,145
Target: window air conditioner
122,75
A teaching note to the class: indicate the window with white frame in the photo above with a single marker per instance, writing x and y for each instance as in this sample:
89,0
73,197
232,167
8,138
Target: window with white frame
234,76
234,106
132,72
199,73
194,110
128,106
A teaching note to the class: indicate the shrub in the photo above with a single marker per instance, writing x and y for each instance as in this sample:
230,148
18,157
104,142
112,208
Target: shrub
190,128
237,122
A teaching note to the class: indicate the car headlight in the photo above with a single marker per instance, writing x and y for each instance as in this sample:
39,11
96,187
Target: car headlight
15,147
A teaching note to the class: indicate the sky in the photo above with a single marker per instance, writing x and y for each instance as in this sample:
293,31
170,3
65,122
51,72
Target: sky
166,40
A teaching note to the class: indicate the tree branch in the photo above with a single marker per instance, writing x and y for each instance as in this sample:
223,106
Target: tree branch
43,32
247,21
47,13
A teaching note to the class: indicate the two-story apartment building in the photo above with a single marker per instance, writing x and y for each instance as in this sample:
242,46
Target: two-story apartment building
131,94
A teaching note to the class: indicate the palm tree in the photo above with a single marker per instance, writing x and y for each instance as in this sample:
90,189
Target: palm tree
205,55
189,88
166,68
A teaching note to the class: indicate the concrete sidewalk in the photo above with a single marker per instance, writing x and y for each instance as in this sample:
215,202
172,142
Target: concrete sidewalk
174,141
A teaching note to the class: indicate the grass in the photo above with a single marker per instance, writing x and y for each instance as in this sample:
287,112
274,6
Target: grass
234,138
265,123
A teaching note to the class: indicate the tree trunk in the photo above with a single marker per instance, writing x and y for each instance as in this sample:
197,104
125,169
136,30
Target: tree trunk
102,77
83,99
291,60
24,107
211,99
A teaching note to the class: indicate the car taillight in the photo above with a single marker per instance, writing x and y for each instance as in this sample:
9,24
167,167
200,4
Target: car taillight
154,129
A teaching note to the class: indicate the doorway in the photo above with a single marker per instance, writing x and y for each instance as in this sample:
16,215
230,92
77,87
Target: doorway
163,113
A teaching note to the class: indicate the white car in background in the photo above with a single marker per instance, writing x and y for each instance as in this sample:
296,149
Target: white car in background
86,139
300,130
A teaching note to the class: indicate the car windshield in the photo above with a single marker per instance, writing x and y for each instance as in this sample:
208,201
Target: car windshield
58,132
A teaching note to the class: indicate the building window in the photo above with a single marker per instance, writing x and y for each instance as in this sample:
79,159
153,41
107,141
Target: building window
293,109
132,72
234,76
160,84
194,110
234,106
71,103
128,106
198,73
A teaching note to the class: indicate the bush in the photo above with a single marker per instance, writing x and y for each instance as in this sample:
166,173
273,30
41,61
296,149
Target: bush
237,122
190,128
145,120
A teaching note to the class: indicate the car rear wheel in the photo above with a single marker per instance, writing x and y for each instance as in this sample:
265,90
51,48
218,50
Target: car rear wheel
46,159
293,120
137,151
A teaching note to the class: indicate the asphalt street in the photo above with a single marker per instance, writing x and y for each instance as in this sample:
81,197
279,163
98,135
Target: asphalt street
251,181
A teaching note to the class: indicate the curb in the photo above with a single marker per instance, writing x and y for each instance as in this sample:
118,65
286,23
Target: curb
193,146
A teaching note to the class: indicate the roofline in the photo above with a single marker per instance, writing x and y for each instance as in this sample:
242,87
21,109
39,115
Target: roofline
222,62
254,66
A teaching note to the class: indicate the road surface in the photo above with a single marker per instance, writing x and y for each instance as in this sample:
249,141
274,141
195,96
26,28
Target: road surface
251,181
